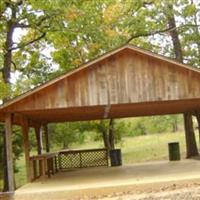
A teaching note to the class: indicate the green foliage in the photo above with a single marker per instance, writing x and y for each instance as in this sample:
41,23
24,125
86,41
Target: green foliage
151,125
189,10
65,134
4,89
100,126
17,145
139,128
120,128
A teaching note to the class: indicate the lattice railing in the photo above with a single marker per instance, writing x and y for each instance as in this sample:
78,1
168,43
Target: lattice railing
82,158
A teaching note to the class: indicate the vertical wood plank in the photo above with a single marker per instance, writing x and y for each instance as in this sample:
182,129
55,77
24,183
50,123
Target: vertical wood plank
25,132
9,153
34,169
38,138
46,133
126,77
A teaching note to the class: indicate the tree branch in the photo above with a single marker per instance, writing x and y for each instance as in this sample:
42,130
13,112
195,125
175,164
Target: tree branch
28,43
159,32
15,66
39,23
22,25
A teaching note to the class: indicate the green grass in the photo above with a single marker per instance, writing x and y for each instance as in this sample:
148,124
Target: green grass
134,149
20,176
150,147
144,148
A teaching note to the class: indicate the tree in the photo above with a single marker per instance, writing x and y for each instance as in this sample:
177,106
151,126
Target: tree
190,136
109,130
166,14
191,145
65,134
19,15
174,33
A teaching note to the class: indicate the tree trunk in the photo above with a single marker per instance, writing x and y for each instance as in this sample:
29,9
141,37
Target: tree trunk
5,172
174,33
190,137
46,134
65,145
111,134
9,152
175,125
106,140
6,73
198,121
103,130
38,139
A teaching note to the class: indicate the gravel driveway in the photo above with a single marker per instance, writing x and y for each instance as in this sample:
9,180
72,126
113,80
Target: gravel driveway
190,191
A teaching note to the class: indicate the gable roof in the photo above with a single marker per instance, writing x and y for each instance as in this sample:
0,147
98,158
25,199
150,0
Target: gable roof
94,61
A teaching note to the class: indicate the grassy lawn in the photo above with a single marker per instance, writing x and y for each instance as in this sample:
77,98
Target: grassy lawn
134,149
150,147
20,176
144,148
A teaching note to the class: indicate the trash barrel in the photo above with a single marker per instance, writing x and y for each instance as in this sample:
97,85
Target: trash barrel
115,157
174,151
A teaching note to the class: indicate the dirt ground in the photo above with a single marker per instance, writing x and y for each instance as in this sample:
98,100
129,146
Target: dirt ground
189,190
169,191
183,190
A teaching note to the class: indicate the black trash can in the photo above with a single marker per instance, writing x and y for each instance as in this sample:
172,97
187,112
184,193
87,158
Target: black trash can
115,157
174,151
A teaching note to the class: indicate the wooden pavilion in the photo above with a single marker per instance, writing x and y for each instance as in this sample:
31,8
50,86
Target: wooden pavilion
125,82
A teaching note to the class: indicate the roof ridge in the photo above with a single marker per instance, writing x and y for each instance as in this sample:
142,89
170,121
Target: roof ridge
93,61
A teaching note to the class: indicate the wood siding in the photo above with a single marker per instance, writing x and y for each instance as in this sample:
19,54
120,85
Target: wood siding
124,78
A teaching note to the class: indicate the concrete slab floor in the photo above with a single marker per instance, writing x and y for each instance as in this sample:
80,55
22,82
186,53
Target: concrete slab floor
92,181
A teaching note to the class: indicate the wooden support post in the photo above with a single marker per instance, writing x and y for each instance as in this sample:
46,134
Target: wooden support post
191,145
25,132
43,168
38,138
9,152
55,163
35,169
46,133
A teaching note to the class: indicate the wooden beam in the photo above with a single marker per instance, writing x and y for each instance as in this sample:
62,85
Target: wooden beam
38,138
46,133
191,145
25,132
9,152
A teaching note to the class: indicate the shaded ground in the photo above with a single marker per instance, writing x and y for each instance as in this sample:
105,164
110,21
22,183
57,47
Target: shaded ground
116,183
